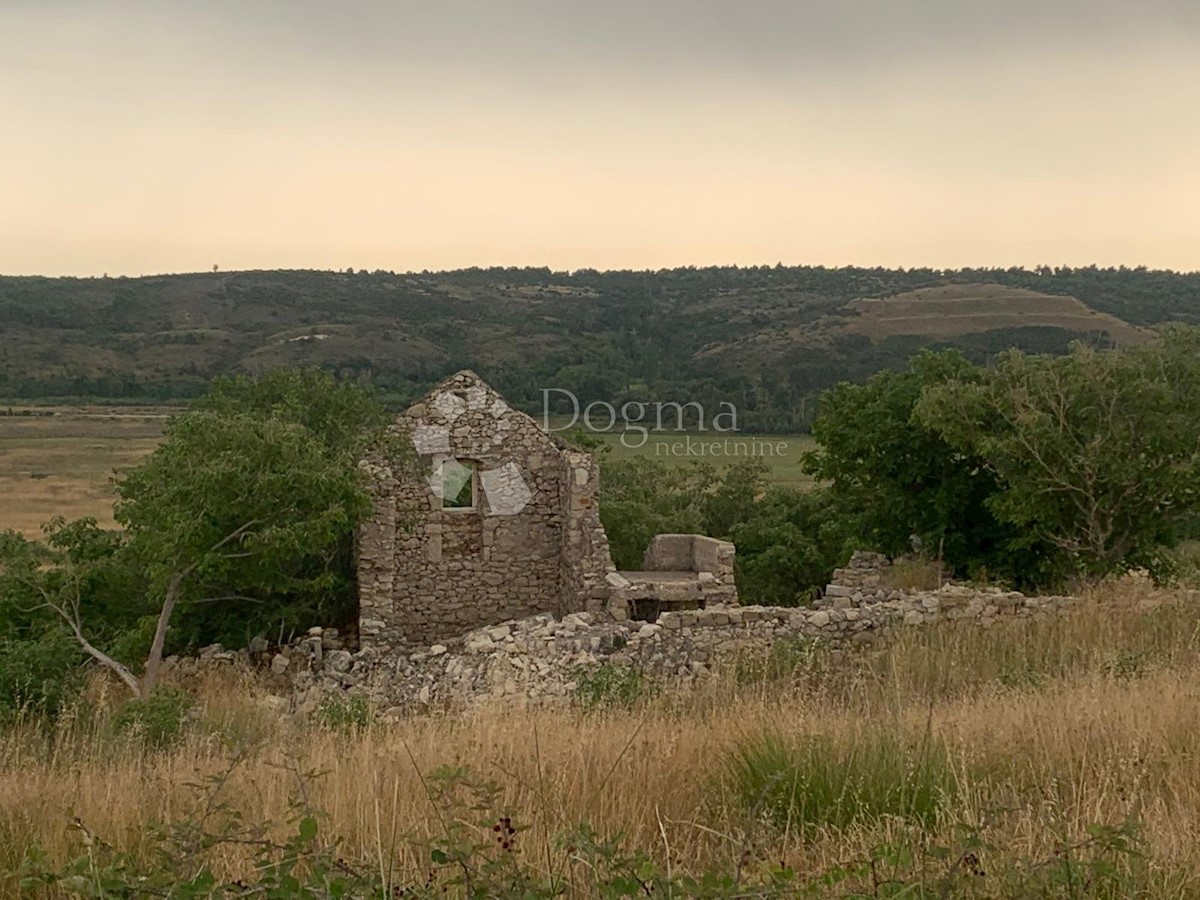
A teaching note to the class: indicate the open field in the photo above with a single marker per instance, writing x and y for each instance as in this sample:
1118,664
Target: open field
61,464
781,452
1047,739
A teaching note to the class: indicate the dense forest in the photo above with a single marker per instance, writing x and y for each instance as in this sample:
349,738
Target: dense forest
768,339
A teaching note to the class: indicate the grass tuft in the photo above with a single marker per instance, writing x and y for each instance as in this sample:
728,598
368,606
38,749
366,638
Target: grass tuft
808,782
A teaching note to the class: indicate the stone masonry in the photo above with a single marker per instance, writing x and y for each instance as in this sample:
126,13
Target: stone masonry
499,523
862,575
541,658
679,572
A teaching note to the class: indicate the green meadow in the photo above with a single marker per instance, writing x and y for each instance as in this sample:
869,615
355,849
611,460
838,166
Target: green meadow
782,453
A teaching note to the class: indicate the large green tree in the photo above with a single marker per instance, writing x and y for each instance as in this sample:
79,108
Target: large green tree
1096,453
899,481
242,519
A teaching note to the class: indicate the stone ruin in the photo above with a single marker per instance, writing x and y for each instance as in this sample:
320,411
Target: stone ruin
862,576
542,659
500,523
679,571
487,576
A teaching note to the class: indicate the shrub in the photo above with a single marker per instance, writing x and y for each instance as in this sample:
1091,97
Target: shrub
158,719
344,714
1187,564
818,781
40,675
789,549
610,686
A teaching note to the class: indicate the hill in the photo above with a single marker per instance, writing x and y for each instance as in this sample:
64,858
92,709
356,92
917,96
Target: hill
767,338
952,311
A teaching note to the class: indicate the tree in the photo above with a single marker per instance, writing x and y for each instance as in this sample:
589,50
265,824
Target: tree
73,579
1096,453
788,549
640,498
896,477
734,499
248,507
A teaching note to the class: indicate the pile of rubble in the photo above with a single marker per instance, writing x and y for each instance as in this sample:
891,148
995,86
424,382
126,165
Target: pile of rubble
541,658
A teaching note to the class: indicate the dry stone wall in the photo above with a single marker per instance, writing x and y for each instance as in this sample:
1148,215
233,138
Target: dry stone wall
541,658
862,576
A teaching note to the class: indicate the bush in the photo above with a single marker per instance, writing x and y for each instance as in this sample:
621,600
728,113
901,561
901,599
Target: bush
41,675
610,686
159,719
817,781
788,550
344,714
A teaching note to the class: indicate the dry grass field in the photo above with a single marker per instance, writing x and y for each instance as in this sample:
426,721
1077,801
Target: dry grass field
1038,736
60,464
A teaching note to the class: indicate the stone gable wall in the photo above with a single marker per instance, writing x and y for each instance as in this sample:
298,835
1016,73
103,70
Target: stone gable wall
427,573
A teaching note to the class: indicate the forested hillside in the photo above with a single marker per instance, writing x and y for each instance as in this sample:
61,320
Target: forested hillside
766,338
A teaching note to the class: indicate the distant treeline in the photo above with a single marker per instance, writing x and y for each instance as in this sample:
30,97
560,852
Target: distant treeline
685,334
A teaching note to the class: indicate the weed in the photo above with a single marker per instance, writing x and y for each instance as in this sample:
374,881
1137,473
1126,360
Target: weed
788,660
610,686
1126,664
344,714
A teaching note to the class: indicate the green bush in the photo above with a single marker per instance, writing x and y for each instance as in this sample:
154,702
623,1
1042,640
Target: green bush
159,719
789,548
1187,564
610,686
40,675
344,714
816,781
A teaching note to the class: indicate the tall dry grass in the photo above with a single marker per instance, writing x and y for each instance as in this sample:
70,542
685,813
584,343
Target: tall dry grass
1048,726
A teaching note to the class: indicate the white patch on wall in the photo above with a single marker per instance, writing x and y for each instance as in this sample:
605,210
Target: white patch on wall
506,491
450,405
431,439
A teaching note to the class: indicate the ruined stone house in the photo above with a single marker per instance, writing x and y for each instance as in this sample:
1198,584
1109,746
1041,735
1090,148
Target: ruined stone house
500,522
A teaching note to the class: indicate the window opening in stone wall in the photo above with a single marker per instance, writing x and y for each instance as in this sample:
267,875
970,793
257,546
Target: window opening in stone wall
458,484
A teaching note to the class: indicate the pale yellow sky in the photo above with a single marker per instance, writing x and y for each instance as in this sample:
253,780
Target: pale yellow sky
138,138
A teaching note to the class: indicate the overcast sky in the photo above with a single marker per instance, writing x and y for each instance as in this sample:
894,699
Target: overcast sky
141,137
